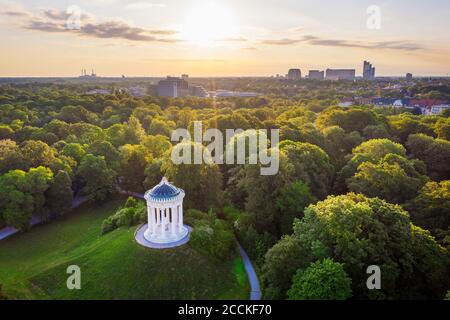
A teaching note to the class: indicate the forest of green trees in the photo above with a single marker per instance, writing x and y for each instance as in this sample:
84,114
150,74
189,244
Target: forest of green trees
357,186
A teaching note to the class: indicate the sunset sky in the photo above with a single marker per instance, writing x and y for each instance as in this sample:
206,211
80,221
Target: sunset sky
223,37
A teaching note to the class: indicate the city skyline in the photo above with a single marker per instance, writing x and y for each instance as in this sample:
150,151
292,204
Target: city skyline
222,38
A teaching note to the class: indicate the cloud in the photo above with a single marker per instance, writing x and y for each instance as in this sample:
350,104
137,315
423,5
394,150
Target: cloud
235,39
316,41
282,42
56,14
288,41
46,26
54,21
15,11
12,13
118,29
395,45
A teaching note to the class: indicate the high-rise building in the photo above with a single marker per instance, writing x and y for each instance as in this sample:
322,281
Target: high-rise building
340,74
316,75
174,87
409,76
168,88
368,71
294,74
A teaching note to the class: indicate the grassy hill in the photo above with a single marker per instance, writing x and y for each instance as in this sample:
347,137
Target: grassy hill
33,265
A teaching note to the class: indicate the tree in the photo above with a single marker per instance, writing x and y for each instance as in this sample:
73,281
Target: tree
323,280
116,134
86,133
159,127
16,203
291,202
304,133
63,163
134,161
256,193
60,195
431,208
339,144
22,194
358,232
97,177
38,182
281,263
157,145
369,151
434,152
74,150
351,119
201,182
394,179
153,174
376,132
74,114
310,164
403,125
6,132
10,156
133,131
37,153
442,128
106,150
379,148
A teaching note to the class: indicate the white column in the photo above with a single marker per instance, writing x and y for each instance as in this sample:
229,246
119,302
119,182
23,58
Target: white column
180,215
165,221
172,225
157,215
158,221
150,218
155,221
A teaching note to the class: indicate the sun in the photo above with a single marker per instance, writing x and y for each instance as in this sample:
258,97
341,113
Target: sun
208,24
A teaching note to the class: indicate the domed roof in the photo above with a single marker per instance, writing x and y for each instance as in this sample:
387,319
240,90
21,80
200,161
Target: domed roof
164,190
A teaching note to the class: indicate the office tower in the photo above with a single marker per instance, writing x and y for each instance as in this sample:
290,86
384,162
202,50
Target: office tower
340,74
174,87
294,74
316,75
368,71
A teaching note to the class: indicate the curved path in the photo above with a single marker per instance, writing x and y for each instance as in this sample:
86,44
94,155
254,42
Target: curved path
255,290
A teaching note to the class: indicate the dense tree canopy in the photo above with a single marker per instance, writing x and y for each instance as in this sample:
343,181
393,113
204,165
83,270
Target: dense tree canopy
431,208
358,232
434,152
58,143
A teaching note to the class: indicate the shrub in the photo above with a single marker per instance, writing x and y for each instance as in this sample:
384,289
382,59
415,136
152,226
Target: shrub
211,236
132,213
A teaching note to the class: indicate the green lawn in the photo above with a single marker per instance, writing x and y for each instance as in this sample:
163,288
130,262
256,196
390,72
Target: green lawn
33,265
